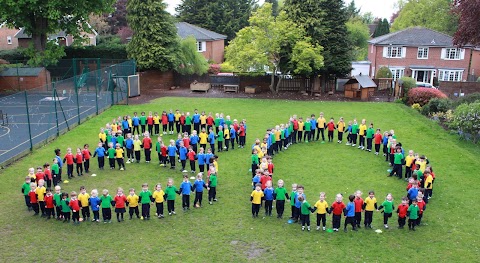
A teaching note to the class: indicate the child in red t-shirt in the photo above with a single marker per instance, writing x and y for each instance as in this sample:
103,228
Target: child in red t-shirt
74,204
49,206
337,210
86,157
422,206
330,128
147,146
68,159
270,165
79,162
33,198
48,175
40,175
402,212
120,200
358,208
264,179
150,123
191,157
163,153
377,138
164,122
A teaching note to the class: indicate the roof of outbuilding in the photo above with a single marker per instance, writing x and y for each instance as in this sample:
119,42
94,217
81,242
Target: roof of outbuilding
21,72
185,29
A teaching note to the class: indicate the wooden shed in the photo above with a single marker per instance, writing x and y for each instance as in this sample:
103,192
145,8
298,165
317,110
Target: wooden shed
20,79
359,87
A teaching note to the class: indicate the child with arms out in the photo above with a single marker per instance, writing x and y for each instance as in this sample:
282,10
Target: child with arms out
321,207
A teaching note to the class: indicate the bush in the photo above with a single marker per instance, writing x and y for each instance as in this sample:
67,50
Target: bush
467,120
478,80
436,105
416,107
213,69
384,72
226,67
13,55
467,99
407,84
423,95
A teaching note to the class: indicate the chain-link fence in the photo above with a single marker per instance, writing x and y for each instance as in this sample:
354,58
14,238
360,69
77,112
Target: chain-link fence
35,116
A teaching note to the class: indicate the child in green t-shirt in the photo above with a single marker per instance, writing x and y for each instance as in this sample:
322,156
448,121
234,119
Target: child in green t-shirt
305,210
106,205
170,194
280,194
388,208
145,197
412,213
64,204
25,191
111,155
212,186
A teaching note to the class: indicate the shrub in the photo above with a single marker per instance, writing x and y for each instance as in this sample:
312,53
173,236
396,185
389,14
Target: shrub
384,72
226,67
213,69
436,105
467,99
478,80
407,84
467,120
110,52
416,107
444,117
423,95
13,55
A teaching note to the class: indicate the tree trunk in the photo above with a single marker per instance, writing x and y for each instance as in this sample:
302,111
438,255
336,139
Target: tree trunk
272,83
278,84
39,34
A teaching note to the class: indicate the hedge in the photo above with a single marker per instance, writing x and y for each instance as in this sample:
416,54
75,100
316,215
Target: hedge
110,52
423,95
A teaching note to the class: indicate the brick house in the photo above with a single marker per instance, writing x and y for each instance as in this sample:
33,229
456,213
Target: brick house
423,54
61,37
7,37
209,43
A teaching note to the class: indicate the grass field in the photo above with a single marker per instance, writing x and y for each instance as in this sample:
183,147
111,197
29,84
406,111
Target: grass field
225,231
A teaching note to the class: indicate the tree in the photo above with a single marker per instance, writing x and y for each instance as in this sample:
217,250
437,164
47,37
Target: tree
359,35
224,17
467,32
383,28
154,42
269,41
384,72
118,18
99,23
324,22
368,18
41,18
433,14
352,10
275,7
190,60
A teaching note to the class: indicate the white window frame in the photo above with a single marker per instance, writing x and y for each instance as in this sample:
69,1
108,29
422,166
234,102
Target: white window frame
9,40
395,52
422,53
450,75
453,53
397,73
201,46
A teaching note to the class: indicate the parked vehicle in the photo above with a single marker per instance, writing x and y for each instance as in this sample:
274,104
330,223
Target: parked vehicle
425,85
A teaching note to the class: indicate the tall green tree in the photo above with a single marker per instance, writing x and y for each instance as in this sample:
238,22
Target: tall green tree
190,60
325,23
352,10
41,18
358,36
275,7
224,17
383,28
154,42
433,14
269,41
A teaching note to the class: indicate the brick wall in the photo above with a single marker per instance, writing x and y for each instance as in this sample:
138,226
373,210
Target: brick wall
8,32
21,83
450,88
375,55
154,79
214,51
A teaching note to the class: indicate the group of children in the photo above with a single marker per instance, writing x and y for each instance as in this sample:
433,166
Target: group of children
122,138
66,207
418,173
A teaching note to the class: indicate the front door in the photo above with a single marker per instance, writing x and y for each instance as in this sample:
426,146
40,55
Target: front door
421,75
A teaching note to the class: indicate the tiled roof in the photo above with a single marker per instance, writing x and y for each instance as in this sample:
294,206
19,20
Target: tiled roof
22,72
185,29
414,36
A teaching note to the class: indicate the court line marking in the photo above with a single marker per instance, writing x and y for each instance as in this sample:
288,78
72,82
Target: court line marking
54,127
8,131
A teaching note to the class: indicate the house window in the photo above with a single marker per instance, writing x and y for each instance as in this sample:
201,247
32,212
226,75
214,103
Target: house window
450,75
9,40
394,52
397,73
452,53
422,53
201,46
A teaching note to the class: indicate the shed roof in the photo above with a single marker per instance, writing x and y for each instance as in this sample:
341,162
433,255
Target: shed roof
185,29
21,72
363,80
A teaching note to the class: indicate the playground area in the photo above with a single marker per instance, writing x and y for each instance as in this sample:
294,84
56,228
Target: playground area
32,117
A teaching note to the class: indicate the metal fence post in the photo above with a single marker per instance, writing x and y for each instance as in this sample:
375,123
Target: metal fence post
28,121
55,96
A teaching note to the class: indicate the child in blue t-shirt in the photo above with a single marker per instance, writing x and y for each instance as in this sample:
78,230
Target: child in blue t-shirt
171,120
349,133
201,159
268,195
129,147
350,214
186,188
297,203
100,153
94,202
211,140
198,186
182,155
172,150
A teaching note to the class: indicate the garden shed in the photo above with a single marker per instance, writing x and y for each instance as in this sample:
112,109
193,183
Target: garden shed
359,87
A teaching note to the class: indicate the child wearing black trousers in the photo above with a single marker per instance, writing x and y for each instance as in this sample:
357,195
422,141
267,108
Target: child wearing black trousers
170,194
256,199
198,186
337,209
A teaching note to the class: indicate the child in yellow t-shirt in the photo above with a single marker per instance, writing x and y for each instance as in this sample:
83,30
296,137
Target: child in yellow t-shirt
40,191
132,200
119,157
83,197
256,199
158,196
322,209
369,205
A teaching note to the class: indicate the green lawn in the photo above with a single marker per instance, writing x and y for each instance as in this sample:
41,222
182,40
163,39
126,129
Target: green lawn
226,231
